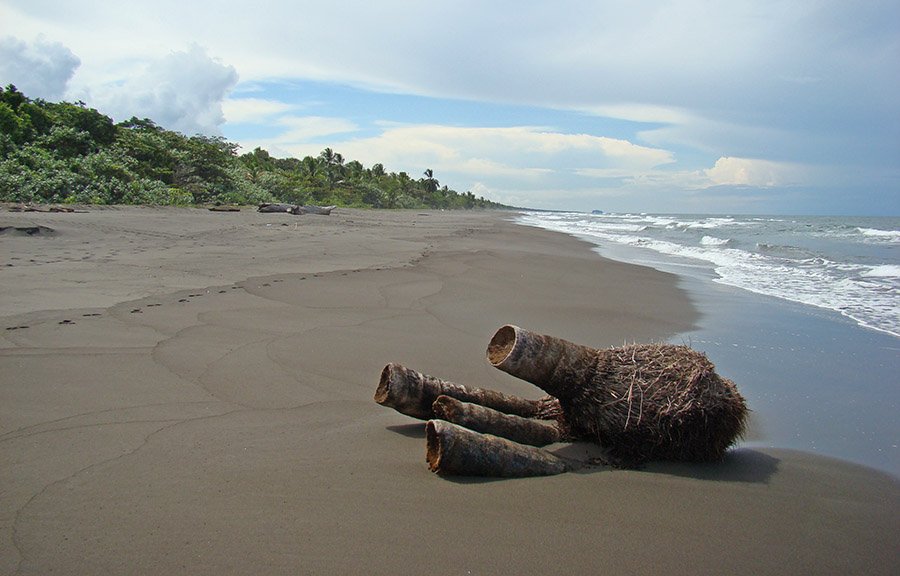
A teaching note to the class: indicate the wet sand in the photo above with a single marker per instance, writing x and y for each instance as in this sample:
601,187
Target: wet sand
189,392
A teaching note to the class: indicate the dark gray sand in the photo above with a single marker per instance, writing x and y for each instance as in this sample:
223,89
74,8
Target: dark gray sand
189,392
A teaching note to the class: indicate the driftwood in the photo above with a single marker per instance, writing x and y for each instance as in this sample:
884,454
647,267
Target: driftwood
27,231
273,208
224,208
413,393
531,431
296,209
638,403
50,208
453,449
320,210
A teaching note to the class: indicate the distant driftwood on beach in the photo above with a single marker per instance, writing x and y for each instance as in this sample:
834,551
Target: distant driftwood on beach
296,209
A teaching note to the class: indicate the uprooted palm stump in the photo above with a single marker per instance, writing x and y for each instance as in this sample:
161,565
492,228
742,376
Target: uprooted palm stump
638,403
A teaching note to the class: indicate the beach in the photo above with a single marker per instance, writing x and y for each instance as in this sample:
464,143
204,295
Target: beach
190,392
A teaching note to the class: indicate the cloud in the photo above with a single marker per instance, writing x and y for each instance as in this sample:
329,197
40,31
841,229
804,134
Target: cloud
40,69
486,168
307,128
750,172
726,172
181,91
639,112
525,154
253,110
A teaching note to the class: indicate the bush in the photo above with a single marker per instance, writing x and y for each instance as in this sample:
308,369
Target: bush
155,193
33,175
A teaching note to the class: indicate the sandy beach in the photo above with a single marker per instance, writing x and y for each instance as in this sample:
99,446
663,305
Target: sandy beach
190,392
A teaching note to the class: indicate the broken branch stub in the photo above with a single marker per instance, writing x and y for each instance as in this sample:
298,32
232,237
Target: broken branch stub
489,421
557,366
452,449
413,393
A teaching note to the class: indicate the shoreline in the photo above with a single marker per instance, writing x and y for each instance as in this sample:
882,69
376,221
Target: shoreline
819,381
232,428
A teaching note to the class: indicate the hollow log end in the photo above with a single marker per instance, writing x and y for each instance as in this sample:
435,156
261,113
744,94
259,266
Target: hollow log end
383,391
502,344
446,408
434,446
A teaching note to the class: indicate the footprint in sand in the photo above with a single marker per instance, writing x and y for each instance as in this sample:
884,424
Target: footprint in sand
66,322
16,327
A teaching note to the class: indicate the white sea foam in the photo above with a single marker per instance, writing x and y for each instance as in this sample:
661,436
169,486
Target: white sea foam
884,271
892,236
867,293
708,223
713,241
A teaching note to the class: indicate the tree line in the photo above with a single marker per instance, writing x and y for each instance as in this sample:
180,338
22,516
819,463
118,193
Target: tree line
62,152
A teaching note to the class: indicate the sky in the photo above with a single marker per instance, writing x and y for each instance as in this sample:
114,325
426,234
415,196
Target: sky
684,106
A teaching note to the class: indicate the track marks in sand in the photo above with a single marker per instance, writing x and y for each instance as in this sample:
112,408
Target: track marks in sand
257,355
79,450
109,416
131,307
214,479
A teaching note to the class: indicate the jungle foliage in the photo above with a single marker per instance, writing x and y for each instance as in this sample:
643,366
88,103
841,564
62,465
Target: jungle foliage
69,153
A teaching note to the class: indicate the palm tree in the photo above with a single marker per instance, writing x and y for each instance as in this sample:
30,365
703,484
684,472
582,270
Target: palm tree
310,168
327,156
355,170
334,166
430,182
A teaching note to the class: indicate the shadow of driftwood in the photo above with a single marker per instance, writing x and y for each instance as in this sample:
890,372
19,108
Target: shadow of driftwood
472,479
416,430
740,465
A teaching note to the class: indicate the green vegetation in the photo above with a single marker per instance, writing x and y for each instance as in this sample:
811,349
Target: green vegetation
69,153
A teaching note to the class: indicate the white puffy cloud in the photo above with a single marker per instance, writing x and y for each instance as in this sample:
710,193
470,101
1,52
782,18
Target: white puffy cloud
181,91
40,69
727,172
750,172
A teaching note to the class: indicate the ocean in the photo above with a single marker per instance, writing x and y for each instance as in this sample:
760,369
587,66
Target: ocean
848,265
802,312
